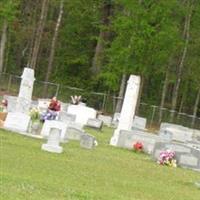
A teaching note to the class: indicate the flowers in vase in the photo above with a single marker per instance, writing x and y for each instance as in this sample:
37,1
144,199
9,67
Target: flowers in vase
35,114
167,158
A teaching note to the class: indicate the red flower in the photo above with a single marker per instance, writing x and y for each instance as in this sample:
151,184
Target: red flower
138,146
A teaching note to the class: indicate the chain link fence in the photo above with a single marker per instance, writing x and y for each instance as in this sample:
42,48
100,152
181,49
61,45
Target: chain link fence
106,103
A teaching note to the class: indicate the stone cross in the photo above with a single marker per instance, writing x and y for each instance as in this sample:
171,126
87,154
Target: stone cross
53,141
128,107
25,92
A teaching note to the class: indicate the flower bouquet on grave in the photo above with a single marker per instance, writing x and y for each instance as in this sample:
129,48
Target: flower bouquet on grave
75,99
49,115
34,114
138,147
167,158
35,120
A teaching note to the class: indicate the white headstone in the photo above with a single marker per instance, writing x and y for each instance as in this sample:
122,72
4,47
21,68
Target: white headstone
107,120
139,122
53,141
83,113
128,108
17,122
26,90
49,124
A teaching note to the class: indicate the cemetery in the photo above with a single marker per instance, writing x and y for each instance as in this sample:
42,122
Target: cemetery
97,156
99,100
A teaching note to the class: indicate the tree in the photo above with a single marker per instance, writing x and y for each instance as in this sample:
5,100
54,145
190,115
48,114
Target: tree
53,45
186,36
104,35
38,35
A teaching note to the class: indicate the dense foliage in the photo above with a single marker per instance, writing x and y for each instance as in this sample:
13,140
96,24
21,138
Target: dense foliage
99,41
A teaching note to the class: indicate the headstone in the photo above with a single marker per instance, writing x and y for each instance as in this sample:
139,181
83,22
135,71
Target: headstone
83,113
75,125
17,121
166,136
49,124
107,120
12,101
196,134
128,108
128,138
66,117
87,141
53,141
64,106
25,92
139,122
186,156
180,134
95,123
43,104
73,134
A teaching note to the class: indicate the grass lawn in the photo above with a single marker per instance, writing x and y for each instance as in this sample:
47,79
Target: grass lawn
104,173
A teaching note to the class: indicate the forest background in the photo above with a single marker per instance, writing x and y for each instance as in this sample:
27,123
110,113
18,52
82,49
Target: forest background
97,44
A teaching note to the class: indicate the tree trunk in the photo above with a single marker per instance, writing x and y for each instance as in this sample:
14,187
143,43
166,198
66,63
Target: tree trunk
164,92
53,44
3,45
181,65
103,38
140,95
196,108
38,35
121,93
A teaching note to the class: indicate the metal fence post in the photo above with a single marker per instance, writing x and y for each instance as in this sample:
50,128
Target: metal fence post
9,83
153,113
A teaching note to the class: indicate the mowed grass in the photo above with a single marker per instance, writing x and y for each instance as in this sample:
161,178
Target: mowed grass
103,173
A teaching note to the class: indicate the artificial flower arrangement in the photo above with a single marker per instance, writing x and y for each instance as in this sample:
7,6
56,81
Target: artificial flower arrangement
34,114
138,147
76,99
52,111
167,158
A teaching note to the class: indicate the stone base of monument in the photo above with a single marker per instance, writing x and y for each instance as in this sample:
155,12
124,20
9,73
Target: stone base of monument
127,139
53,149
17,121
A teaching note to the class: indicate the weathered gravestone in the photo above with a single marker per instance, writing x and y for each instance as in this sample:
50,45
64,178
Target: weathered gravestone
19,119
107,120
49,124
139,122
185,155
43,104
87,141
53,141
128,138
66,117
83,113
95,123
12,101
179,133
73,133
128,108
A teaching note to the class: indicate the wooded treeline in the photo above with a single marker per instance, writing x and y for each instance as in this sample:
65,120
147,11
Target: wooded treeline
96,44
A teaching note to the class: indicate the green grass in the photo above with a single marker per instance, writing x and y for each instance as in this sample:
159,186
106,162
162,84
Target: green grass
104,173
